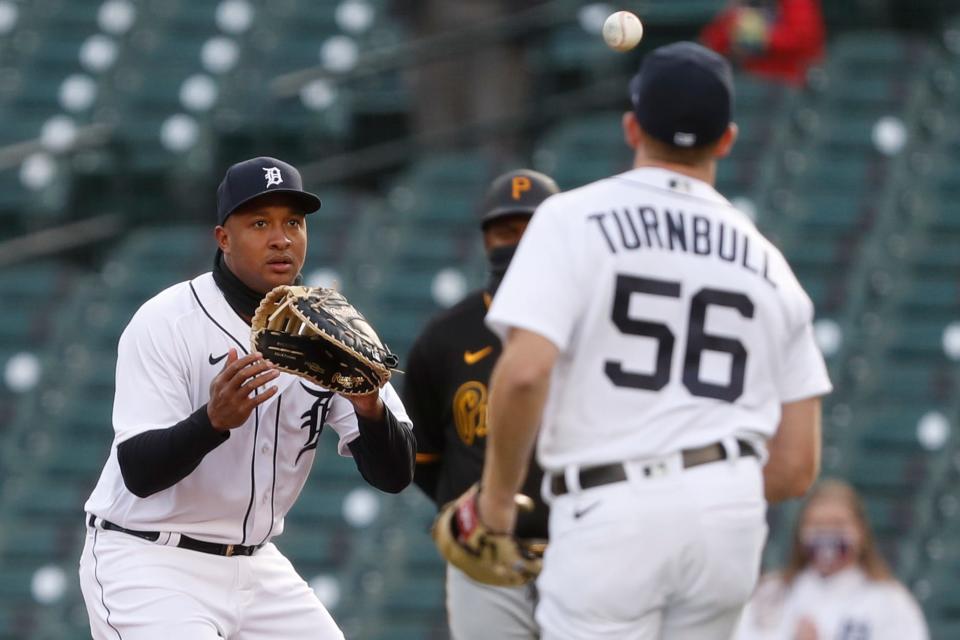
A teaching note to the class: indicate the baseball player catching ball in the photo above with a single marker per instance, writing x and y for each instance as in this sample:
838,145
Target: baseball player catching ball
667,349
446,393
213,444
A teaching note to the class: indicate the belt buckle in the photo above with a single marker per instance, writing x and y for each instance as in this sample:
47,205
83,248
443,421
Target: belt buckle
229,551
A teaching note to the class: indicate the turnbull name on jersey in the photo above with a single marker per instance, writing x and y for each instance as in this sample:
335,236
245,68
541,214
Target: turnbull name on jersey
651,227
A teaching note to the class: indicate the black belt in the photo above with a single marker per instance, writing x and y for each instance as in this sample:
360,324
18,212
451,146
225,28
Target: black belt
608,473
186,542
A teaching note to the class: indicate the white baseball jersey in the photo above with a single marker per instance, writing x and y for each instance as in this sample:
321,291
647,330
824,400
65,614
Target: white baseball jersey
678,323
167,357
845,606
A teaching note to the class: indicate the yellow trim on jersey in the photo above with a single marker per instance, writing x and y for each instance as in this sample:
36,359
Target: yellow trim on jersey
427,458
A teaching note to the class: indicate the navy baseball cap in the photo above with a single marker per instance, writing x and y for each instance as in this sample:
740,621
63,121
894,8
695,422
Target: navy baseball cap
516,192
253,178
683,94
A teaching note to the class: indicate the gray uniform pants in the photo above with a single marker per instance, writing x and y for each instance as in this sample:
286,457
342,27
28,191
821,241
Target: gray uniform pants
479,612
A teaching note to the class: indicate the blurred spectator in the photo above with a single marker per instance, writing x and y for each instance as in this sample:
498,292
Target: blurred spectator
776,39
484,82
836,586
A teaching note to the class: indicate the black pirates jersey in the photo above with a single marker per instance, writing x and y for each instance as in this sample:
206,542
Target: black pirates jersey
446,390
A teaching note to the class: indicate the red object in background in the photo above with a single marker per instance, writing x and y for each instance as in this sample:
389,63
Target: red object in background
795,40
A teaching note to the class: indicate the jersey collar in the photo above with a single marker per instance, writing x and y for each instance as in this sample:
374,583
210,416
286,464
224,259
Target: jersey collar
675,183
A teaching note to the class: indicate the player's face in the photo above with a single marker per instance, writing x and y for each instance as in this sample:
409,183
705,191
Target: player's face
504,231
264,245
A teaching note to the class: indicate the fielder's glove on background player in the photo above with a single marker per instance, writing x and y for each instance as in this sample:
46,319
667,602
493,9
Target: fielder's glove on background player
493,558
313,332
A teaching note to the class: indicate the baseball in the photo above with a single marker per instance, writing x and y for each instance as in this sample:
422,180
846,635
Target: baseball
622,31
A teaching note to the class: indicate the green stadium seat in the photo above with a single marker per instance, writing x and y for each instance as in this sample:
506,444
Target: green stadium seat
453,170
891,474
941,628
400,327
917,338
572,50
887,518
442,250
587,136
940,296
192,17
871,51
320,506
666,12
421,555
834,174
314,547
864,94
571,172
411,630
892,427
942,605
52,500
419,598
940,257
78,459
408,287
447,219
16,325
15,586
905,383
380,95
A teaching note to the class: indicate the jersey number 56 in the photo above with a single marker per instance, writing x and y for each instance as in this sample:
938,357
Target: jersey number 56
698,340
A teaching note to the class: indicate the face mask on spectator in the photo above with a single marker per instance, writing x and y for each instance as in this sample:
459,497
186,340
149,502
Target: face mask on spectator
828,550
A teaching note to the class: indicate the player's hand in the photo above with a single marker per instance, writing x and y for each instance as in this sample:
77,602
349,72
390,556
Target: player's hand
806,630
368,406
497,515
232,397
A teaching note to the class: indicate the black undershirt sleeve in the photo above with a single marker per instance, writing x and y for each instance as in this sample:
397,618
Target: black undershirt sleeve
384,452
158,459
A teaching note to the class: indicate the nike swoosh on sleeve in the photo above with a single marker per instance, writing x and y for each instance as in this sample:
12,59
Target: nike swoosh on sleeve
217,359
473,357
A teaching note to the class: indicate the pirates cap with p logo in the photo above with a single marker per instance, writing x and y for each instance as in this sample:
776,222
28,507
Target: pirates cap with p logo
516,192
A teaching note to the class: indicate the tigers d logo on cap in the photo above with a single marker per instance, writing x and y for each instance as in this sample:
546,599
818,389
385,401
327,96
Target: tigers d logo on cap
273,176
256,177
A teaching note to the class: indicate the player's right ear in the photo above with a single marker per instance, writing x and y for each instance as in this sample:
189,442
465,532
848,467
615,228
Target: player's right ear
222,237
631,130
726,142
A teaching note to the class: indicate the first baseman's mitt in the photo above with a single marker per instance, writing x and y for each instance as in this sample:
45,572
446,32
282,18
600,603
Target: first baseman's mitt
315,333
486,556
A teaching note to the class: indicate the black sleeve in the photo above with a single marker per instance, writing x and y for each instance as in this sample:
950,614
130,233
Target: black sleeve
158,459
384,452
424,408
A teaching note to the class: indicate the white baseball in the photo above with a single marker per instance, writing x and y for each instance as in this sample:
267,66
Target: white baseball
622,31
